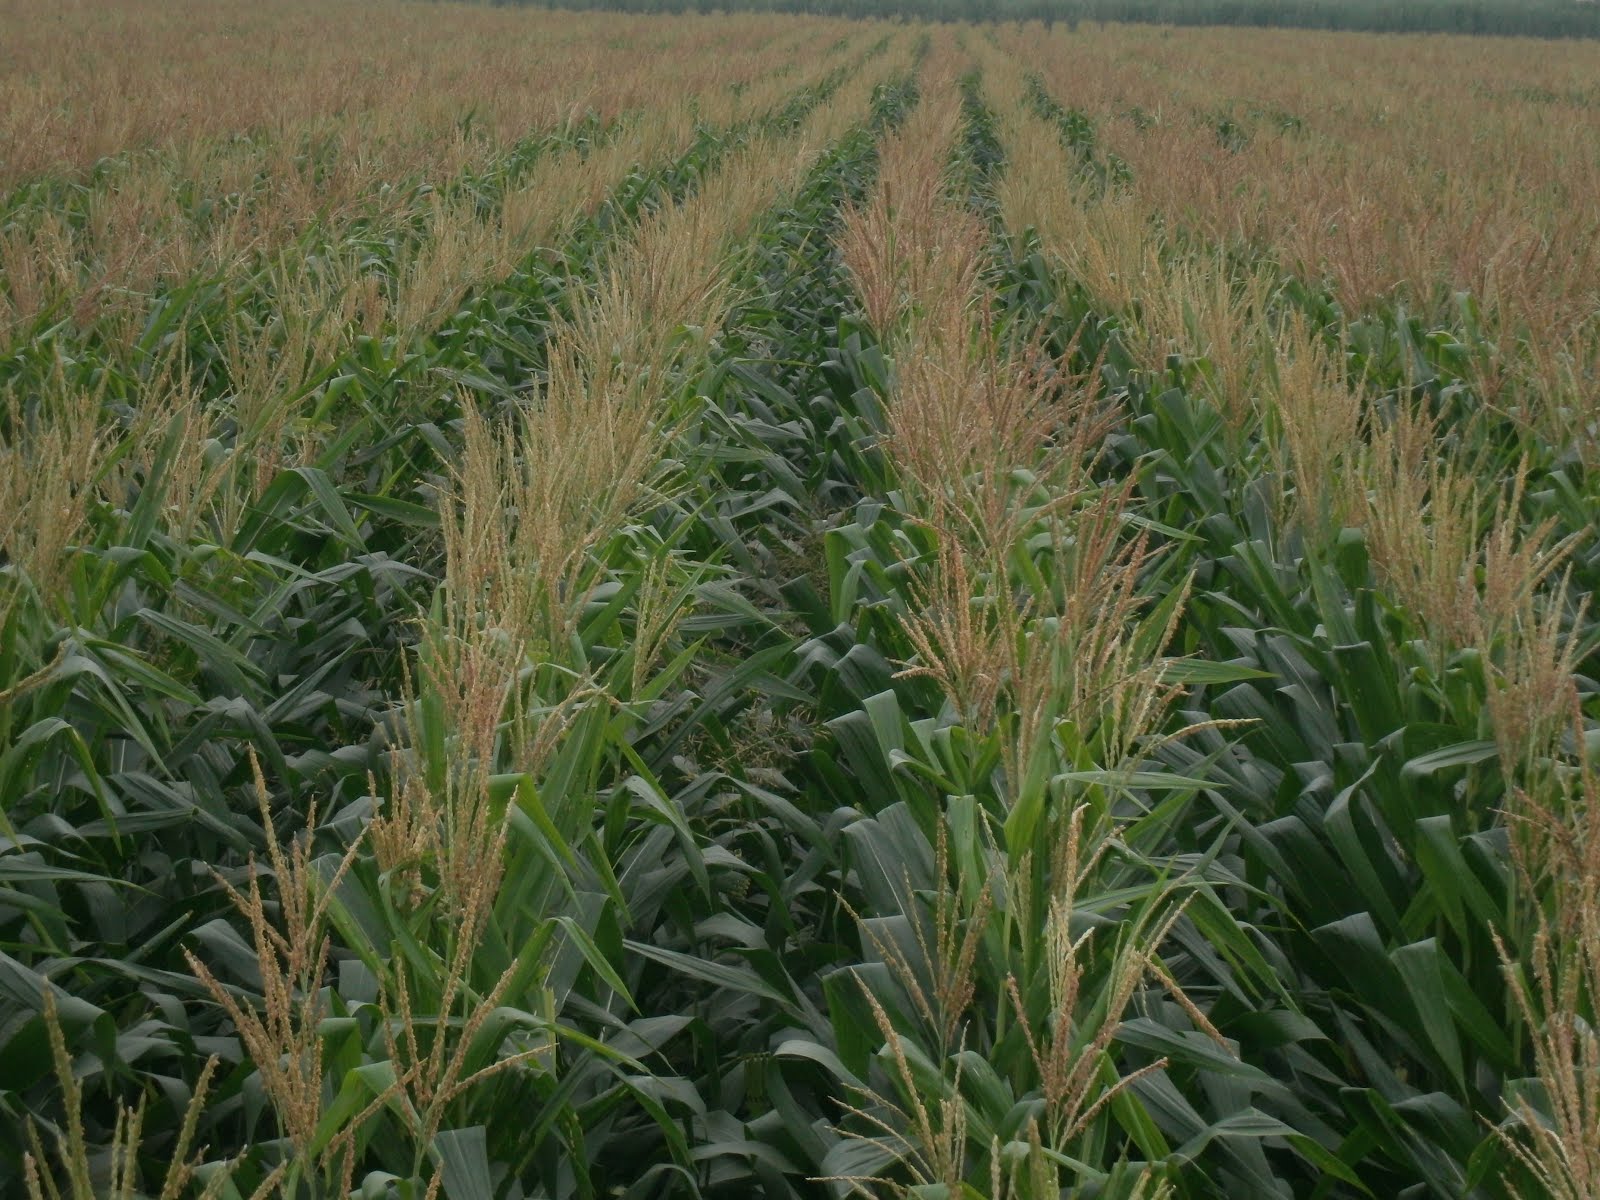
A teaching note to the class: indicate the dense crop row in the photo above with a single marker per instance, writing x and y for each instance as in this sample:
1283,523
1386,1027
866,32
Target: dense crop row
791,630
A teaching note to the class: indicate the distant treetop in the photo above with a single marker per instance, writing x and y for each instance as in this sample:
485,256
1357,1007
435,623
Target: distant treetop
1534,18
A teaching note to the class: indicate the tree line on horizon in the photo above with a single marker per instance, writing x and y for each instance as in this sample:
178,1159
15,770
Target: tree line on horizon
1528,18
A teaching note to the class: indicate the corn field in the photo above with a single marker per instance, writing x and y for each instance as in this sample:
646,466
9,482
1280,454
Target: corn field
749,605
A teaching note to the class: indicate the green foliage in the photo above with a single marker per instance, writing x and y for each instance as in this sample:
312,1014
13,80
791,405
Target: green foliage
1355,833
1505,18
771,916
